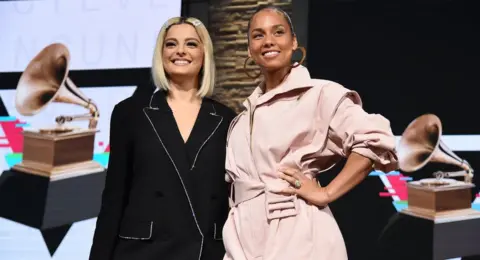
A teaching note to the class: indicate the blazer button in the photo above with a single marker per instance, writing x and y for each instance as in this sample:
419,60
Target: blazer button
214,197
159,194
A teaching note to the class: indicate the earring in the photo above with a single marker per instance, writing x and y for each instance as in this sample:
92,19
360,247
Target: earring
304,55
246,71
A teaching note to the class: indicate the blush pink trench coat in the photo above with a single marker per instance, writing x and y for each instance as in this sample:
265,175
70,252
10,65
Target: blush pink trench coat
307,124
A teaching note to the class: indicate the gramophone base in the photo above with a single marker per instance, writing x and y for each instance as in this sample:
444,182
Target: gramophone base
43,150
454,196
442,216
59,172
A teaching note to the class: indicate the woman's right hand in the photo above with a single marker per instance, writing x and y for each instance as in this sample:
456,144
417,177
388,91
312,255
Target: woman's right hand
307,188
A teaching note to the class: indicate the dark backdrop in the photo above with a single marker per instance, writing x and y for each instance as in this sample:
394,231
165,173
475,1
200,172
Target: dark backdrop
405,58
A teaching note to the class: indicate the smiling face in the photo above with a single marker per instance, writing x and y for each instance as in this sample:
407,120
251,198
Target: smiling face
183,52
271,40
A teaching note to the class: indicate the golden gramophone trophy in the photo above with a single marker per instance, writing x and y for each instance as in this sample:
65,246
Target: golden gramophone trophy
57,183
60,151
441,196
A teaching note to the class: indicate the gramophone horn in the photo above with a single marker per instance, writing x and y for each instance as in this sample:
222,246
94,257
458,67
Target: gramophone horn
420,143
46,80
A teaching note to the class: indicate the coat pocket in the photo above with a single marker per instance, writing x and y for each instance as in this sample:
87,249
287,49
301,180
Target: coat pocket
136,230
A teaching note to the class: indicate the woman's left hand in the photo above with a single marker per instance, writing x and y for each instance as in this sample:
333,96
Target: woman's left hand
304,187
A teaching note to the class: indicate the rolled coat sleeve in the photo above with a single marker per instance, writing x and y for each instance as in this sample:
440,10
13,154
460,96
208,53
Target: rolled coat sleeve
352,129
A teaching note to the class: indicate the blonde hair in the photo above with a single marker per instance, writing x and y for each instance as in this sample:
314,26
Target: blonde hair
207,73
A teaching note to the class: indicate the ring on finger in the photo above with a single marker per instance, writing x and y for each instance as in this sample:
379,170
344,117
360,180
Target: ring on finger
298,184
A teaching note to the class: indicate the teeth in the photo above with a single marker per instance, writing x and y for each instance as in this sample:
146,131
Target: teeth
181,62
271,54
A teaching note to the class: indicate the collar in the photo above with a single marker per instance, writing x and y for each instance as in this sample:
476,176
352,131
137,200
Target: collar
299,77
158,101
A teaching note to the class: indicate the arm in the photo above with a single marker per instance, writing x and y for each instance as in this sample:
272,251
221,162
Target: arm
366,140
113,196
231,120
355,170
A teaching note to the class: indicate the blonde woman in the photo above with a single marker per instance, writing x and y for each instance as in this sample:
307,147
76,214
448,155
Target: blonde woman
165,195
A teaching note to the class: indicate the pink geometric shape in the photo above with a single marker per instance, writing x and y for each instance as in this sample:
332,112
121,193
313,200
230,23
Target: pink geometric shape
13,134
399,185
386,194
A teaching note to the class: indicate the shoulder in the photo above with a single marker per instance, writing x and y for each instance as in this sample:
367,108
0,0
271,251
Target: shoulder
139,99
223,110
121,112
328,86
124,104
333,98
331,92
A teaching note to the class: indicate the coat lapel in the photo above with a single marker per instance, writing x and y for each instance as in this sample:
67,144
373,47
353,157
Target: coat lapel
205,127
163,122
161,118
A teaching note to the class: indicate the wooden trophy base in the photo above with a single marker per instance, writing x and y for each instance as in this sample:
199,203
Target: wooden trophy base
59,172
440,200
58,153
442,217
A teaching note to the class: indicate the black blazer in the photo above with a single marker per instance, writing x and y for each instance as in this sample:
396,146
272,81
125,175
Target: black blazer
163,198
